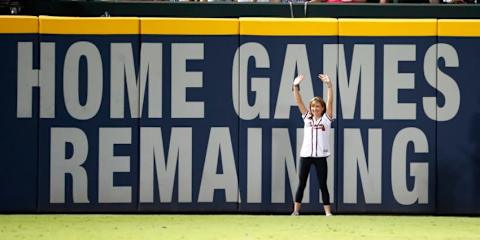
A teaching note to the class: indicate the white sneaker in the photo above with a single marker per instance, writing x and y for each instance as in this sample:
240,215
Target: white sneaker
328,215
295,214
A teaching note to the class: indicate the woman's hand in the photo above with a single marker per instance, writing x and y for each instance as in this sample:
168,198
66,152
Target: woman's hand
298,80
296,93
325,79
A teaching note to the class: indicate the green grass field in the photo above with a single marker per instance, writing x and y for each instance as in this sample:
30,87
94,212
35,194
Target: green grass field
92,227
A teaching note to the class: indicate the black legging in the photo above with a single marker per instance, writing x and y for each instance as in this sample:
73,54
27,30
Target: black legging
321,167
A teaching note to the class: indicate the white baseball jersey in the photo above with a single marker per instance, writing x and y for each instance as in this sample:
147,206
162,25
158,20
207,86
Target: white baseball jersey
315,136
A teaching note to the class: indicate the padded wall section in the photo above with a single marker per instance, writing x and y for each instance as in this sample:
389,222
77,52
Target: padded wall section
19,101
387,129
458,139
89,137
189,126
181,115
272,53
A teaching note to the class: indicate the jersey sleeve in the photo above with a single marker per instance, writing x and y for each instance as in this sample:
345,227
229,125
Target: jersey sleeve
306,115
327,119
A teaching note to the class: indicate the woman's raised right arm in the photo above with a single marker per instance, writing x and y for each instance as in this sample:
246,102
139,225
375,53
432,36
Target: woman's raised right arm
296,94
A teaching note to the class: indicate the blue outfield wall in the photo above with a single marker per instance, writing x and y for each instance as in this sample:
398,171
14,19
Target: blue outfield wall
458,138
19,163
91,131
197,115
272,53
189,150
385,137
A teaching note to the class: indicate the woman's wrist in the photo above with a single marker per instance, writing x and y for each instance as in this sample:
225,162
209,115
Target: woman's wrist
296,86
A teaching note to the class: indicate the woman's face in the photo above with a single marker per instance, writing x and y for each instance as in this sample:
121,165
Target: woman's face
316,108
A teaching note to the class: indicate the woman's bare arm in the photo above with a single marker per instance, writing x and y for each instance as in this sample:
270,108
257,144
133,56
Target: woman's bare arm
296,94
326,80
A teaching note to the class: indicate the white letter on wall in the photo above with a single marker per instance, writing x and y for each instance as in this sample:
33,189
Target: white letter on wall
152,159
295,58
283,159
71,71
419,171
362,73
27,78
370,170
108,164
261,86
441,81
219,147
60,165
181,80
393,81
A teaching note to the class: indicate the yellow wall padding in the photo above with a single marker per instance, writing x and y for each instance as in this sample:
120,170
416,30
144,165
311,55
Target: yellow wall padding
387,27
289,26
18,24
189,26
89,26
458,28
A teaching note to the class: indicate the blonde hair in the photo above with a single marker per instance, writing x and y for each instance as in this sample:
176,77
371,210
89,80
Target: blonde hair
319,100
